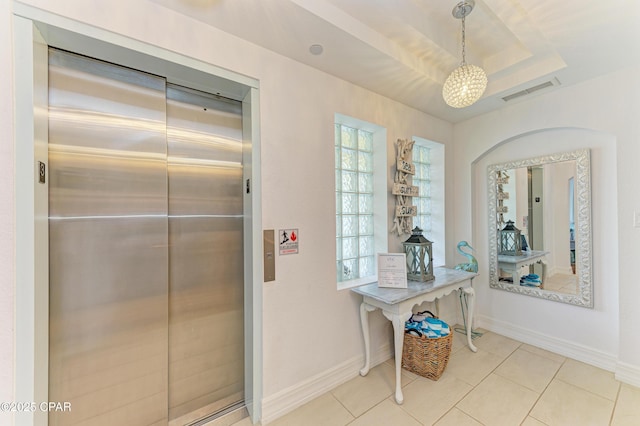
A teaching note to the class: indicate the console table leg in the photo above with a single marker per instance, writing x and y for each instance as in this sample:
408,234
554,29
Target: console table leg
364,321
471,298
398,341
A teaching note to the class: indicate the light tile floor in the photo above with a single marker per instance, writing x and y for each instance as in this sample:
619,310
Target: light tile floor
562,283
505,383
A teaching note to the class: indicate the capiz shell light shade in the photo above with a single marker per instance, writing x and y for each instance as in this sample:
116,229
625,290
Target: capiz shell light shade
464,86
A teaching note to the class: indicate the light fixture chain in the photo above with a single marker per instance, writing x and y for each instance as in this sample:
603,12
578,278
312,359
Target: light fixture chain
464,60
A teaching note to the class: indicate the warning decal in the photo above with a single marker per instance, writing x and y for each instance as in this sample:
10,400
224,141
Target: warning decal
288,241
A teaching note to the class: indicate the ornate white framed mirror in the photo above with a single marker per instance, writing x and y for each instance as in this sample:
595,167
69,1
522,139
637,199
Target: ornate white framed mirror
548,199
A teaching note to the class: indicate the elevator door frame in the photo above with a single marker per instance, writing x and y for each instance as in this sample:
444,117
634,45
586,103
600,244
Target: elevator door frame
34,31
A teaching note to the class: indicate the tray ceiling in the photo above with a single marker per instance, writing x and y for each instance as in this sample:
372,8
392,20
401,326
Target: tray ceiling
405,49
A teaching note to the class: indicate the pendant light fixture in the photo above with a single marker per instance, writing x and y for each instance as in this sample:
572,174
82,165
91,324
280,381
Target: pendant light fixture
466,84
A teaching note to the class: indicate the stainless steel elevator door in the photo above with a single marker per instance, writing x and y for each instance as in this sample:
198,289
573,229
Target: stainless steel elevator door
108,244
206,340
146,275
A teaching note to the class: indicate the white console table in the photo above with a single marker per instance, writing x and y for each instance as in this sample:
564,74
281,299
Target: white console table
397,304
512,264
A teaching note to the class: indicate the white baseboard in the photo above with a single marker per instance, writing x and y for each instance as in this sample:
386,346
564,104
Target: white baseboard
280,403
572,350
628,373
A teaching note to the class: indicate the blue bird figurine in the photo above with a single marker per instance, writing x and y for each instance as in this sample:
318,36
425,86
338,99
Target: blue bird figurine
472,265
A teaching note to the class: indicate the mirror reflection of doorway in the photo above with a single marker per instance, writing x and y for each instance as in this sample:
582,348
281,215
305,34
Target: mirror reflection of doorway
535,177
564,279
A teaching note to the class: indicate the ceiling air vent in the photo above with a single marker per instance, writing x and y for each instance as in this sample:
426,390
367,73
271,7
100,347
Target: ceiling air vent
532,89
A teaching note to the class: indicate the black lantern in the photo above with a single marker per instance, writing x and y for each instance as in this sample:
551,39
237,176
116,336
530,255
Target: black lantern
509,240
419,253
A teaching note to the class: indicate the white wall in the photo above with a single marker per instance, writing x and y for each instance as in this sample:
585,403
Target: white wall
7,220
310,328
601,114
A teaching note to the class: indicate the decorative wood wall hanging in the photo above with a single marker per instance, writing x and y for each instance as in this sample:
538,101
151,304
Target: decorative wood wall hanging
502,178
402,188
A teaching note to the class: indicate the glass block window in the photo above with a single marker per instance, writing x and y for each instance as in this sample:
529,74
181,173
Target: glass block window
355,249
422,179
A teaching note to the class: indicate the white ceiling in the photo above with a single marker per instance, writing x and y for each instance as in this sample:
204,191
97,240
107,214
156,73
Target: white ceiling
405,49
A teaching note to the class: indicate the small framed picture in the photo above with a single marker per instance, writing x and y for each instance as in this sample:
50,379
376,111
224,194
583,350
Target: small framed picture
392,270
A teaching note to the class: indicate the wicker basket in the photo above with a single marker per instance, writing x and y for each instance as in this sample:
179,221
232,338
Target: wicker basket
426,357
